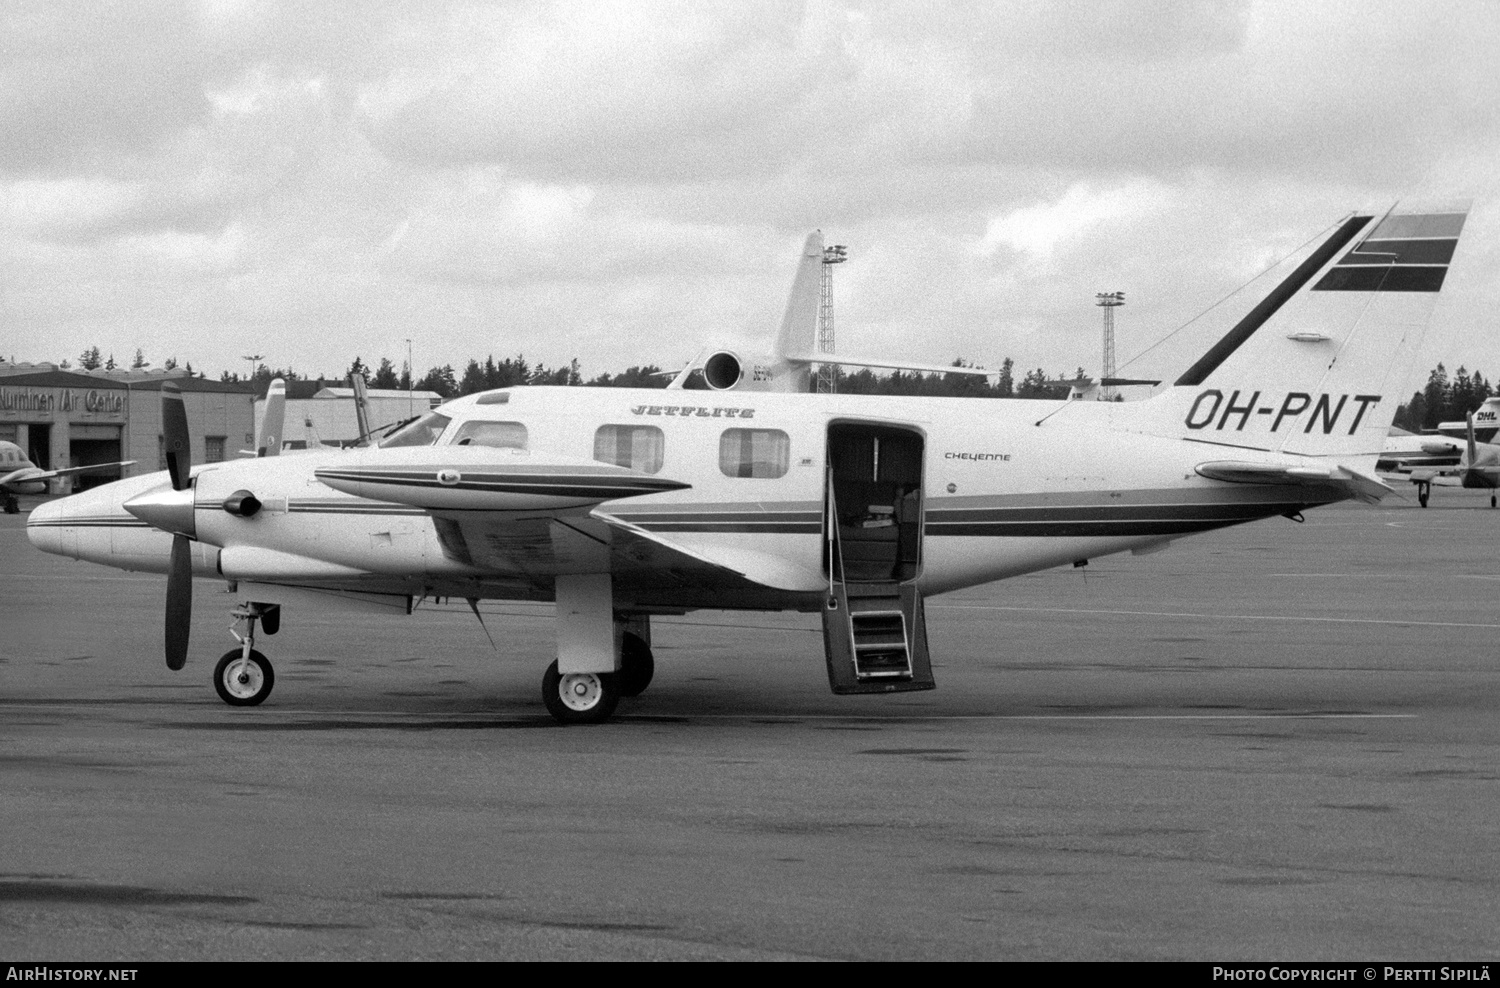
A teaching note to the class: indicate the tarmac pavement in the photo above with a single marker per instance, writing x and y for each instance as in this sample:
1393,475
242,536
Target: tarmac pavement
1275,742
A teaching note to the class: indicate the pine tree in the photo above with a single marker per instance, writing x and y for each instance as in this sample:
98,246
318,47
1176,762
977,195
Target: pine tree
473,379
1005,385
1436,396
385,375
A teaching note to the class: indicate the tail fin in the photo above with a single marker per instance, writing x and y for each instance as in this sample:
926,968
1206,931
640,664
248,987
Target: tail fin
268,442
1487,420
799,326
361,405
1313,369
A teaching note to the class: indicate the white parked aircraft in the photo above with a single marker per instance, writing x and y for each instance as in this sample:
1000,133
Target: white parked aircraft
18,475
1439,458
622,504
789,367
1478,467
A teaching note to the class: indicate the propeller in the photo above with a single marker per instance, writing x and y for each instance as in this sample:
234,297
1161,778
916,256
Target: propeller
180,574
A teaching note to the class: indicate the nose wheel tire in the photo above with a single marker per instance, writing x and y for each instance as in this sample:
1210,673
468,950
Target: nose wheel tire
243,685
637,666
579,697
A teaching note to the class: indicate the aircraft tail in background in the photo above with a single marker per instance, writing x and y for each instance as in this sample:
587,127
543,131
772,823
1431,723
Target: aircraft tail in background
361,405
268,439
790,367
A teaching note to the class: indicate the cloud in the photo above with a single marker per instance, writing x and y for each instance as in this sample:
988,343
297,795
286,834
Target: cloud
626,182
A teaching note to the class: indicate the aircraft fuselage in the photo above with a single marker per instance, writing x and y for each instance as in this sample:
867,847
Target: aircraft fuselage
1000,495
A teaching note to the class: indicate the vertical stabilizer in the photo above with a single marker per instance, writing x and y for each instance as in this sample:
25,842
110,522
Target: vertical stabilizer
361,405
1316,368
268,442
799,326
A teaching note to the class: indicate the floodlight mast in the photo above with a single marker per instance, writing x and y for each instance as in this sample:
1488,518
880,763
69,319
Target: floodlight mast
1108,301
836,254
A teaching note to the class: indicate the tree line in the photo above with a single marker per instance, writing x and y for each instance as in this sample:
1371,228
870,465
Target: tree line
1443,399
518,372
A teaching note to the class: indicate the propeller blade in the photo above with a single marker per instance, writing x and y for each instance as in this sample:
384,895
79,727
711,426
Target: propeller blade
179,601
175,440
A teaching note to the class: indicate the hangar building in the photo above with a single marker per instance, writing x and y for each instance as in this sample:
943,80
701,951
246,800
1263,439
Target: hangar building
71,418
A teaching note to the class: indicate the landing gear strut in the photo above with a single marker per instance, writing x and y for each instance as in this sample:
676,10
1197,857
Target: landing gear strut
244,677
1424,491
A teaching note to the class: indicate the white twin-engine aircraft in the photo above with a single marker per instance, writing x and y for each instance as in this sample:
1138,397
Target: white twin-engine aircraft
623,504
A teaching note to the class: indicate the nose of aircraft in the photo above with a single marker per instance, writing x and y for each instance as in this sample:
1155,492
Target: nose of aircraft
44,526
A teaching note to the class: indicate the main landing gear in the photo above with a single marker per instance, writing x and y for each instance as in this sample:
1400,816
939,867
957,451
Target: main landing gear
244,677
591,697
12,506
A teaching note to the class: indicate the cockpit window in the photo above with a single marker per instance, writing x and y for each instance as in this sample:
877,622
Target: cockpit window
504,435
422,432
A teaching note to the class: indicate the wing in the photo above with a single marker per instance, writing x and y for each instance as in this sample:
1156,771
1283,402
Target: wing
647,567
40,474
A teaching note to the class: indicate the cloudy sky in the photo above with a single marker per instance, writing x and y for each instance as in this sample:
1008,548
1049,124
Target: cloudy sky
627,182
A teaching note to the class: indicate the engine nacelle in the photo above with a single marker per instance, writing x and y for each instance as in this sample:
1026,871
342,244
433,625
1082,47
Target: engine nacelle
723,371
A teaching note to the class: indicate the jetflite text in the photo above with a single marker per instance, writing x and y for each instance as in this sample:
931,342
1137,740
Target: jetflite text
1212,410
699,411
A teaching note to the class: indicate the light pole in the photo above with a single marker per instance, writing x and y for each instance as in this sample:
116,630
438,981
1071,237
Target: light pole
254,361
411,382
1108,301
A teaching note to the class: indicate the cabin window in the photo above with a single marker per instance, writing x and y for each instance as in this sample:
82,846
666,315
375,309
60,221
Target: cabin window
502,435
418,432
639,447
764,453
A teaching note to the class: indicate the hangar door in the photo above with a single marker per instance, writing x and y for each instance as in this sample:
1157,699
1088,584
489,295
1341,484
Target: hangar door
94,444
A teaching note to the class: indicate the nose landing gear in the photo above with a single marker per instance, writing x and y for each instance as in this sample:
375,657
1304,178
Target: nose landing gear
244,677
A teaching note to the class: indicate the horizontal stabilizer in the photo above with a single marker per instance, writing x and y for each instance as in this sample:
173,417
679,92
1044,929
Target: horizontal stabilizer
1357,485
902,365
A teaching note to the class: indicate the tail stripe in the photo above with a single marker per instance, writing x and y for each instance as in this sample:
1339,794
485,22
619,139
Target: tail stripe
1268,306
1406,253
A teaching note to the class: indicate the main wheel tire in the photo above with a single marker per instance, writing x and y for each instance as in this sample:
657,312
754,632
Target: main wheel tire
1422,498
12,506
637,666
579,697
246,687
